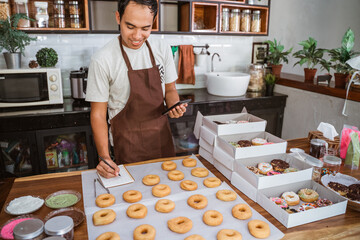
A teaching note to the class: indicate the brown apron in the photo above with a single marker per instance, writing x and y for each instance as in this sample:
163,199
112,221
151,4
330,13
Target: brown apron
140,132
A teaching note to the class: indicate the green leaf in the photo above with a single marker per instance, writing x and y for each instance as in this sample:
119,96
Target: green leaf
348,40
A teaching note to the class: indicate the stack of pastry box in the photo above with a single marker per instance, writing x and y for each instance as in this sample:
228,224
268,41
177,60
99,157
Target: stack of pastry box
232,162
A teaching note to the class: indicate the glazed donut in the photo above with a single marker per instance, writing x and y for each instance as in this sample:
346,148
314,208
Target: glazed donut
164,205
108,236
338,187
168,165
226,195
291,210
244,143
290,169
180,224
212,218
323,202
189,162
307,206
132,196
308,195
271,173
212,182
103,217
228,234
151,180
258,141
195,237
136,211
279,201
197,201
105,200
144,232
161,190
264,168
279,165
188,185
176,175
241,211
259,229
291,198
199,172
354,192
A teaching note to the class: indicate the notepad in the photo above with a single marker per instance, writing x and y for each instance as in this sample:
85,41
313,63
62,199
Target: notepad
125,178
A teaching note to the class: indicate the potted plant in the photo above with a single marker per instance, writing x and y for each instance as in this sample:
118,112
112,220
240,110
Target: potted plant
270,80
325,78
47,57
339,56
311,55
276,56
13,40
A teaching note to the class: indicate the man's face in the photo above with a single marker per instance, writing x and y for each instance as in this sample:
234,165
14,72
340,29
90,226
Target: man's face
135,25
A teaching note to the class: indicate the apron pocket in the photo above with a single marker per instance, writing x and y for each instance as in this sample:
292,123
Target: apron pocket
151,137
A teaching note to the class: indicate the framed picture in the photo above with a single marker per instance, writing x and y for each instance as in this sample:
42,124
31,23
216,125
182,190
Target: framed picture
259,52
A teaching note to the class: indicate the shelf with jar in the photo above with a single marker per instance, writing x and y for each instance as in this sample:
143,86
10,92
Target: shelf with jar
204,17
52,15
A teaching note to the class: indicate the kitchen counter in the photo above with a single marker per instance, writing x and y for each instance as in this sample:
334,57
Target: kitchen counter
342,226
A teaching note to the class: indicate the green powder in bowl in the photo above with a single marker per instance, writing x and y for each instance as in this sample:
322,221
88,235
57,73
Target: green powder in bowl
62,200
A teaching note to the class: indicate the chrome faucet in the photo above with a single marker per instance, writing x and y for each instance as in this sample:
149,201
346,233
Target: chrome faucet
212,61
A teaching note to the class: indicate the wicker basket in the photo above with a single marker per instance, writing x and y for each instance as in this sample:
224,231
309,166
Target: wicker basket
319,135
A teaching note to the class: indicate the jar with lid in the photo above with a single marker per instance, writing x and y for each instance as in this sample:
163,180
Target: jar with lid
235,20
74,8
315,163
62,226
59,20
59,7
333,163
318,147
42,16
256,83
245,20
21,6
32,229
54,238
4,9
75,21
256,21
225,20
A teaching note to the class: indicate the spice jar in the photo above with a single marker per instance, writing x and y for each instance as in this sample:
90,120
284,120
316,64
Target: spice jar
42,16
316,164
332,162
32,229
59,7
225,20
317,147
256,83
62,226
74,21
74,8
4,9
245,20
59,21
256,21
21,6
235,20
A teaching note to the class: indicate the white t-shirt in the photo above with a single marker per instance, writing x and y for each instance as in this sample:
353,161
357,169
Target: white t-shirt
108,74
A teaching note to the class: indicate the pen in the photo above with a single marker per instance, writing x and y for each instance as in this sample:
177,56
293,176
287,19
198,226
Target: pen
108,164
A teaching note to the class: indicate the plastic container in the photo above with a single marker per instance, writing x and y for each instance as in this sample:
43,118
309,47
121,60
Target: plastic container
235,20
21,6
317,147
225,25
42,16
256,21
59,7
316,164
59,21
74,8
30,229
257,83
245,20
61,226
332,162
75,21
4,9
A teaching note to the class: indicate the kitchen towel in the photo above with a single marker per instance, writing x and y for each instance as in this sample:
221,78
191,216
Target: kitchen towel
186,65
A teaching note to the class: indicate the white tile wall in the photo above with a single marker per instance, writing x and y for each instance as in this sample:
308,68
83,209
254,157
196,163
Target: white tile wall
75,50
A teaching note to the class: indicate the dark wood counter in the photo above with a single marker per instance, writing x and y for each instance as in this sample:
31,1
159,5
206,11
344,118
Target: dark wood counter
346,226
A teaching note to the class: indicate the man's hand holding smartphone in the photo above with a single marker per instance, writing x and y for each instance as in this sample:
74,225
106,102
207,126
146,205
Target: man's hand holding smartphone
178,109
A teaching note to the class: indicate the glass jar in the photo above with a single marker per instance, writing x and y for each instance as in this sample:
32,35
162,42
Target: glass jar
245,20
62,226
42,16
235,20
333,163
225,20
74,8
256,83
4,9
21,6
256,21
59,7
317,147
316,164
32,229
59,21
74,21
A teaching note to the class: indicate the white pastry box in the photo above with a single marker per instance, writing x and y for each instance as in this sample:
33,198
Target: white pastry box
205,145
223,158
223,169
244,186
208,135
295,219
278,145
206,155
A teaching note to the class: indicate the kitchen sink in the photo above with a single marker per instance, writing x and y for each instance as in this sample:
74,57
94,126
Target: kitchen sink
227,83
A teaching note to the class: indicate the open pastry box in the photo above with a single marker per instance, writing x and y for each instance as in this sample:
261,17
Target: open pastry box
206,154
208,136
295,219
277,145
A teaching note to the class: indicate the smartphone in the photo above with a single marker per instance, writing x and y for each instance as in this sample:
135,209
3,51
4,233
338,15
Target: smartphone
175,105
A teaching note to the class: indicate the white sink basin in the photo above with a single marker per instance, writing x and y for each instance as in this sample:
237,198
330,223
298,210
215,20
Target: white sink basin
227,83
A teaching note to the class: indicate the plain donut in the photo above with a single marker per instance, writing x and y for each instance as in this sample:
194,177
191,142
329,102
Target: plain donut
212,218
189,162
212,182
164,205
161,190
180,224
151,180
176,175
105,200
144,232
226,195
228,234
136,211
132,196
188,185
241,211
103,217
197,201
108,236
199,172
195,237
168,165
259,229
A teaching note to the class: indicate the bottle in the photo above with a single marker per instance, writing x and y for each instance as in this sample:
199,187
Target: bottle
21,6
256,83
245,20
225,20
4,9
59,20
42,16
59,7
235,20
256,21
74,8
74,21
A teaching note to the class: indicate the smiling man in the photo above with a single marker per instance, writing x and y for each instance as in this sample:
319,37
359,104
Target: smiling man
128,79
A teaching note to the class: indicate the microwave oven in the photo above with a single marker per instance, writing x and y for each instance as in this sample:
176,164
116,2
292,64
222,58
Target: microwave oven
30,87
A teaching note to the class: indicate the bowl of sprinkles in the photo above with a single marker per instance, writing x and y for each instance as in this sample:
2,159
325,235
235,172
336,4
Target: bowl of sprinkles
62,199
24,205
6,230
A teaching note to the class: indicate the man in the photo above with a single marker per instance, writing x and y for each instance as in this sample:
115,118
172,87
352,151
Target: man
126,77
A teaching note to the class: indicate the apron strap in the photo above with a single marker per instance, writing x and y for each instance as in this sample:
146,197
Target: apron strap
151,54
126,58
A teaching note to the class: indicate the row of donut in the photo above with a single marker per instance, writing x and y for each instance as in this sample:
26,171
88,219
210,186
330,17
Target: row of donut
276,166
181,225
253,142
309,196
351,192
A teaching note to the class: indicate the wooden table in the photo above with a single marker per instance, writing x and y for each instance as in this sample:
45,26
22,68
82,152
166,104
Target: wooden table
346,226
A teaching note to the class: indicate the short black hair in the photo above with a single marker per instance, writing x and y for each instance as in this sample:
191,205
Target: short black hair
152,4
